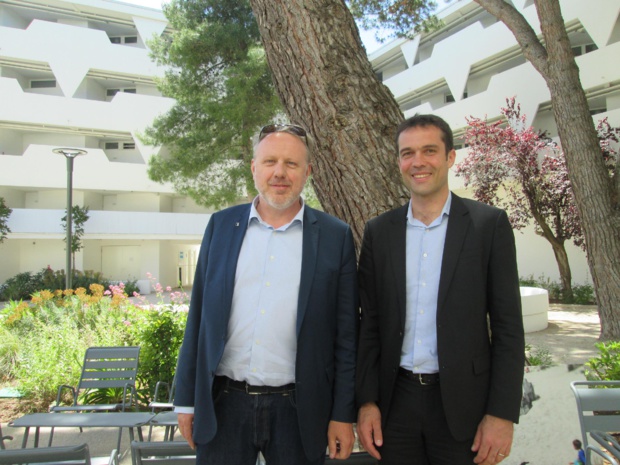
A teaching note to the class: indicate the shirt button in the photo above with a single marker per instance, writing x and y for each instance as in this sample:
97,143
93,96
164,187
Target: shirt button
257,342
419,341
272,258
421,312
267,284
423,284
425,255
262,312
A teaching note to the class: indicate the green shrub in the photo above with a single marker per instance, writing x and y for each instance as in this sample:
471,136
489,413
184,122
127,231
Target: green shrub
43,341
19,287
23,285
537,356
583,294
160,335
605,367
9,348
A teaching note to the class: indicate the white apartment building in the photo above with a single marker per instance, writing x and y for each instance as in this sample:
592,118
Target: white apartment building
473,63
77,74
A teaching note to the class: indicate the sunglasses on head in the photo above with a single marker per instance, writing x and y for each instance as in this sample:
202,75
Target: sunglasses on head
289,128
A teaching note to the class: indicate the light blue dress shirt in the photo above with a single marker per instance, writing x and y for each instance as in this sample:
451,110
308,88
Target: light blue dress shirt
261,344
424,256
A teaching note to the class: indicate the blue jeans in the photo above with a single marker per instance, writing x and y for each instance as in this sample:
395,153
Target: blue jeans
248,424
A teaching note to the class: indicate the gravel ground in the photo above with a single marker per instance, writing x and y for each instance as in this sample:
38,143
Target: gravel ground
571,334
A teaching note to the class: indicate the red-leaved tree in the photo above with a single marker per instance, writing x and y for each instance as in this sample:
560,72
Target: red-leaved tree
517,168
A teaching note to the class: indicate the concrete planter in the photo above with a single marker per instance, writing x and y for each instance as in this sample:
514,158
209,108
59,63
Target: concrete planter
535,305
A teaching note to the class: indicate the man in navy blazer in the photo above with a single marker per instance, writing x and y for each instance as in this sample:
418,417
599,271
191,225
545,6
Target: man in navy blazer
441,349
268,359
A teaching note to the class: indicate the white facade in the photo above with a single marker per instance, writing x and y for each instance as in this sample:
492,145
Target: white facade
473,63
77,74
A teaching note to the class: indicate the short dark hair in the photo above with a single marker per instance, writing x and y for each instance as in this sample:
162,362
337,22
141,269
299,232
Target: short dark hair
428,120
577,444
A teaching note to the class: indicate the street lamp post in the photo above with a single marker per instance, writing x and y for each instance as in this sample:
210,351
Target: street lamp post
70,155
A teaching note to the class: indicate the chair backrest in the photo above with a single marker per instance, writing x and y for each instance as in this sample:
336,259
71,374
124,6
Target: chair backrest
608,442
2,438
75,455
162,453
598,406
109,367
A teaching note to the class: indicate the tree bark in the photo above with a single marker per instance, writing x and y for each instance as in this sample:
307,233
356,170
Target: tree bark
595,194
326,83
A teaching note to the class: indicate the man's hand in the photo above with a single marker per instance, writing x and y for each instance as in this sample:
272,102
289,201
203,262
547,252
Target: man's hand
340,440
186,427
493,440
369,428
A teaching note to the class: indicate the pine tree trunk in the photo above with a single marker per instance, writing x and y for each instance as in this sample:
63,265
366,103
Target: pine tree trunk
596,198
327,85
561,257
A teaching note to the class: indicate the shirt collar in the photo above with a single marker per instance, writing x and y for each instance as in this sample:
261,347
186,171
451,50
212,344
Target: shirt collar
444,211
254,215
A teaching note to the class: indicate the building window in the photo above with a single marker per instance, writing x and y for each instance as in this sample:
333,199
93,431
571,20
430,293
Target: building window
579,50
124,40
596,111
43,84
119,145
109,93
449,98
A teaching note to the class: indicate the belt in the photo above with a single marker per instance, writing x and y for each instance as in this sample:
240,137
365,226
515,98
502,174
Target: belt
255,390
420,378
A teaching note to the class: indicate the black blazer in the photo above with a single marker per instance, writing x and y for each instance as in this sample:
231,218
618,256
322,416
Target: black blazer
479,374
327,319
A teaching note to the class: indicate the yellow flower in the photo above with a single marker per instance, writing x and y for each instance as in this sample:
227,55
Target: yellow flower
96,289
46,295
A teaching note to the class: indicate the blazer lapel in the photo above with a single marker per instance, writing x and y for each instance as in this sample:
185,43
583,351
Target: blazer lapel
397,247
310,250
237,228
458,224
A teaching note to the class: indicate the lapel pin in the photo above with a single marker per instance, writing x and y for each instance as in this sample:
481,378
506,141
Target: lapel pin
237,224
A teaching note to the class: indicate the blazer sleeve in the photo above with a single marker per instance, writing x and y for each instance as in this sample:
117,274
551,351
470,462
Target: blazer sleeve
186,367
369,346
506,325
346,335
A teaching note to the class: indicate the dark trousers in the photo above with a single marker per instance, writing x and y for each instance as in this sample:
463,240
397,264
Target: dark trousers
417,432
248,424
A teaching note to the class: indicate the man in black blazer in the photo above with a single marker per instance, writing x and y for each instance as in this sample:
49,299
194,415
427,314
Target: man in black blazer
441,349
268,358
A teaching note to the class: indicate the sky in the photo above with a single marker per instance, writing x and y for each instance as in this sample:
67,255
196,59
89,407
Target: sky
368,37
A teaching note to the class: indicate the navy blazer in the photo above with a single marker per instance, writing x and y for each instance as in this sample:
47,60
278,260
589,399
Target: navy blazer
480,339
327,319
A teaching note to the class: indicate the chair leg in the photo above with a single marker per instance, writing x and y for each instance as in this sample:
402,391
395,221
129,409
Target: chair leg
120,432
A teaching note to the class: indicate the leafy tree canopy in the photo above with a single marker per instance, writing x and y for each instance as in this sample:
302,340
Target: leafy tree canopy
404,18
224,93
5,212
